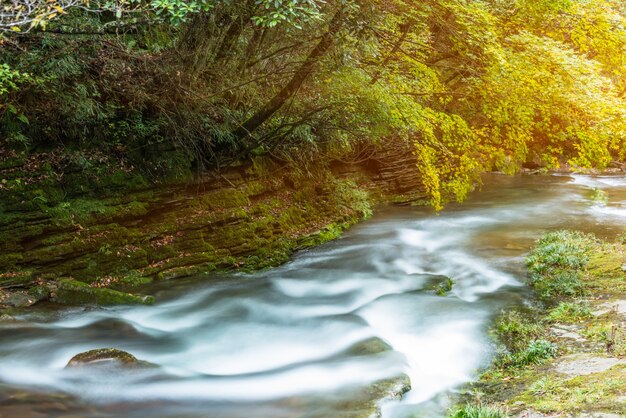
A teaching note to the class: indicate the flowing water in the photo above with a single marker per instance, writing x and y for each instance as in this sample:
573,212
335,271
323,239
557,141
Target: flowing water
307,339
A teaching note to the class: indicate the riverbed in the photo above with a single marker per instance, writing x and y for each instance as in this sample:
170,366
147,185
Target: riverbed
309,338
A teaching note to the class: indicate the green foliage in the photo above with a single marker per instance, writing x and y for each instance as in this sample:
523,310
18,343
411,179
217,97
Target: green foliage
10,79
479,411
570,312
461,87
522,336
535,353
179,11
514,329
557,262
275,12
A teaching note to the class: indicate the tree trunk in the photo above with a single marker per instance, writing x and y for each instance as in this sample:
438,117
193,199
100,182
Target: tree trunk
271,107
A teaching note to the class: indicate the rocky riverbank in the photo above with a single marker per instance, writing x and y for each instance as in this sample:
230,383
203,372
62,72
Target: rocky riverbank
565,356
60,243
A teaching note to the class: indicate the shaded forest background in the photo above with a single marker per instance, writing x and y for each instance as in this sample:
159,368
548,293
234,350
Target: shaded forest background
158,91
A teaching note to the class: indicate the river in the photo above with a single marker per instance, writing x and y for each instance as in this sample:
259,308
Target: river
308,338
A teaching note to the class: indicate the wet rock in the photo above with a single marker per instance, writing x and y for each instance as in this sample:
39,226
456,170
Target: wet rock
39,293
107,357
584,364
370,346
19,299
17,402
73,292
6,318
364,402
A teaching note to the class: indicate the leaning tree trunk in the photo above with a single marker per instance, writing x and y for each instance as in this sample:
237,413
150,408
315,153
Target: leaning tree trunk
305,69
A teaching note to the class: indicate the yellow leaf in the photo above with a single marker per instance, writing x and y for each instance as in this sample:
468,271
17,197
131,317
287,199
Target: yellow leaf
15,29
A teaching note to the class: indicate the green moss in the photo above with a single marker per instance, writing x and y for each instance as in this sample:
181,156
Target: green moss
604,269
444,287
72,292
39,292
17,278
594,392
101,354
224,198
9,261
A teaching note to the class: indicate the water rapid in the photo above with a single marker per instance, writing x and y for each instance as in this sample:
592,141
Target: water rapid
303,339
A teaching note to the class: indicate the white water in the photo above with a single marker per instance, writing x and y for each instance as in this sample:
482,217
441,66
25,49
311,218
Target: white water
281,343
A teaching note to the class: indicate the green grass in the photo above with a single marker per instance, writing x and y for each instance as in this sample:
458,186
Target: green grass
515,328
479,411
536,352
570,312
557,264
522,336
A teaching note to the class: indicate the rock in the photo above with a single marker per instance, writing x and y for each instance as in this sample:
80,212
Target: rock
567,331
598,415
6,318
370,346
351,403
39,293
107,357
534,414
584,364
73,292
24,403
619,306
19,299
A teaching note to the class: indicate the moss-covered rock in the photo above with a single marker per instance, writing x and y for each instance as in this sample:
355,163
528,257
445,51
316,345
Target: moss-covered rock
73,292
107,357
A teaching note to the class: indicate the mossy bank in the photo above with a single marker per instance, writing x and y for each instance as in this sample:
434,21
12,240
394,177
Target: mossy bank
564,356
83,239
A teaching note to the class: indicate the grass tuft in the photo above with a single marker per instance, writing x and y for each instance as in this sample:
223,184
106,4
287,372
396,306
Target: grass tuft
570,312
479,411
556,265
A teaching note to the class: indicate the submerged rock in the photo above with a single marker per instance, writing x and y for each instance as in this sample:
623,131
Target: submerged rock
107,357
26,403
6,318
73,292
363,402
372,345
